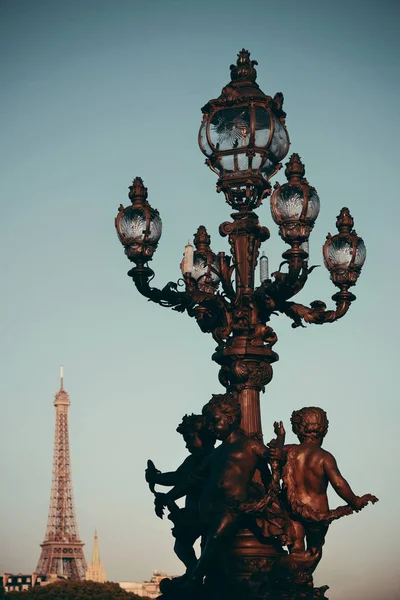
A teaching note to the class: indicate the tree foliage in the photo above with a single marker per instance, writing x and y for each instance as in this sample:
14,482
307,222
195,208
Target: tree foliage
75,590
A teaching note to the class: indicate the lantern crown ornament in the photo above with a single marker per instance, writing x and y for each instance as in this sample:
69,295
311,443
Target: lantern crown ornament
244,137
138,226
244,69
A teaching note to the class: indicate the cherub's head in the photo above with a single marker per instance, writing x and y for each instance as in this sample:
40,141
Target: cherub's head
196,433
310,422
223,414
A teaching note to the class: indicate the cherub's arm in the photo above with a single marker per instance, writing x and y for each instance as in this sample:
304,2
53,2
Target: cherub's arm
188,478
271,456
341,486
171,478
168,499
262,464
168,479
178,491
265,451
280,433
276,448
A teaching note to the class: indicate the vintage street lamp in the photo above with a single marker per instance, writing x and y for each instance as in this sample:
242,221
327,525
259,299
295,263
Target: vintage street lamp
244,137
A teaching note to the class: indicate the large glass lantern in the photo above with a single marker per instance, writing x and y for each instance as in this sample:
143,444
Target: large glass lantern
345,252
138,226
244,137
295,205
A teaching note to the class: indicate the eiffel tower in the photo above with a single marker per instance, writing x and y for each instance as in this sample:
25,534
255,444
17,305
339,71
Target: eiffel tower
62,550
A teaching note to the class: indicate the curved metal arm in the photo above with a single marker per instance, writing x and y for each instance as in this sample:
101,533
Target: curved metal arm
211,311
316,312
169,296
271,296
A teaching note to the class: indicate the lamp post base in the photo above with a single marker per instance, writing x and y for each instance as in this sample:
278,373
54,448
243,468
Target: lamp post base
251,589
251,570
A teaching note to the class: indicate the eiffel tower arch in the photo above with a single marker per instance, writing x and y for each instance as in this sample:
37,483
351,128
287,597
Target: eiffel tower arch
62,550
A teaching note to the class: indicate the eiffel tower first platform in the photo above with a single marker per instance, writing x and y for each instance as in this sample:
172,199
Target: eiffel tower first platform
62,550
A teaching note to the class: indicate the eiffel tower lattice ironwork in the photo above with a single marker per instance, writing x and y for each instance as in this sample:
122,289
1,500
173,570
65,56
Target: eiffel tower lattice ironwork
62,550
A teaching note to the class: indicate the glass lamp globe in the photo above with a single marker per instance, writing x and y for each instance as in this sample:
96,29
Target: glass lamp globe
345,252
295,205
138,226
243,135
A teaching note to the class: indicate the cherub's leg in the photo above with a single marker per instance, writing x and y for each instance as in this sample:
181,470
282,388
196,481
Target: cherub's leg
184,550
297,544
315,536
221,529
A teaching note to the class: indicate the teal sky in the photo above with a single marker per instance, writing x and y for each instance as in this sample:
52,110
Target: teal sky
96,92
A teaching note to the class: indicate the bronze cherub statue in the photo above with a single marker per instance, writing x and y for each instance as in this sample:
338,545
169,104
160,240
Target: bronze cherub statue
307,472
227,498
186,530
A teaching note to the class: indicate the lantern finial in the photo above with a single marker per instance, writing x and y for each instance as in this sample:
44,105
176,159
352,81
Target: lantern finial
244,68
295,169
137,192
344,221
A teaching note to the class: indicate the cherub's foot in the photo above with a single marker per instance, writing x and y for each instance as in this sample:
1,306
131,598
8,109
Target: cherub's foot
320,592
168,586
184,584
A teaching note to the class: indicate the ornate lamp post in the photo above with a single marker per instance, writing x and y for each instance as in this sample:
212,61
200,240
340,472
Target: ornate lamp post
244,137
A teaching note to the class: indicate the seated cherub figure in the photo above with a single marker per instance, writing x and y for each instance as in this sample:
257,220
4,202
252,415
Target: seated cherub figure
200,443
307,471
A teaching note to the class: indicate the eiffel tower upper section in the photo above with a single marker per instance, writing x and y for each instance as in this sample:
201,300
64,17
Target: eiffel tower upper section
62,550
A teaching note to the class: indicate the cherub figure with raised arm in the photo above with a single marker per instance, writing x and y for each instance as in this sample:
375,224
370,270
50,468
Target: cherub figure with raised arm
307,472
227,493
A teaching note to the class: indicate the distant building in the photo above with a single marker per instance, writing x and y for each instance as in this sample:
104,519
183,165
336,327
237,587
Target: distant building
20,582
151,588
95,571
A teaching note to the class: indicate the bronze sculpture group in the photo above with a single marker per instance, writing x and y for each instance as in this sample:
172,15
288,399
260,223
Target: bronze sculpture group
278,491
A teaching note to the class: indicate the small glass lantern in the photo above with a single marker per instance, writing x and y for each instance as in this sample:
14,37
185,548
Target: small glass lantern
295,205
244,137
200,263
138,226
345,252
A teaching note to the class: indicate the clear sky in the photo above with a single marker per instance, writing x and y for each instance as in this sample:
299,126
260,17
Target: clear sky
95,92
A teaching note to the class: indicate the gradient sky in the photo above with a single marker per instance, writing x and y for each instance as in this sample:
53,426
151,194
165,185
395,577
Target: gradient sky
96,92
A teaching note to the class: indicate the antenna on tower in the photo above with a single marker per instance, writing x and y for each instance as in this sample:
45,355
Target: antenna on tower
62,376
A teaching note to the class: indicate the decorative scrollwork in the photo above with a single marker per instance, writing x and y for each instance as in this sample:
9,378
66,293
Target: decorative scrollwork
237,316
168,296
